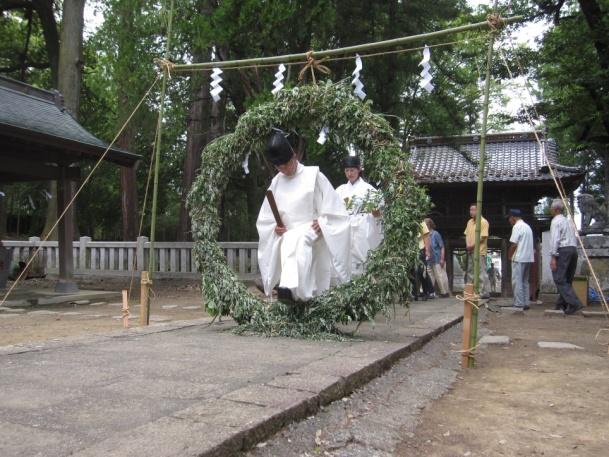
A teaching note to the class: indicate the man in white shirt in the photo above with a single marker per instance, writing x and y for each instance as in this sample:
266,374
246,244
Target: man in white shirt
522,255
361,200
563,261
309,247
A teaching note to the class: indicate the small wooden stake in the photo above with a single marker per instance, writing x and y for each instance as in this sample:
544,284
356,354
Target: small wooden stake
467,322
125,309
144,298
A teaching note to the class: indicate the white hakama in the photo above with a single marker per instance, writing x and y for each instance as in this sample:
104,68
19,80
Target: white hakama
305,261
366,230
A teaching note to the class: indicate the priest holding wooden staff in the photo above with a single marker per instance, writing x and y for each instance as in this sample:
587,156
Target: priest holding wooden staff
304,229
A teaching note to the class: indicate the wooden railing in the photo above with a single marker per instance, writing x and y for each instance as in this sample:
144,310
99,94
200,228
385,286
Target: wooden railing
172,260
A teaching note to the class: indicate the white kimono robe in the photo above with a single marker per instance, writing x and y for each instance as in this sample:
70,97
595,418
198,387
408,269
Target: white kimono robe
366,230
302,260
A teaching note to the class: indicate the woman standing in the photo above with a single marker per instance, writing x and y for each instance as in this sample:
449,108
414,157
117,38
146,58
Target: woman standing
436,265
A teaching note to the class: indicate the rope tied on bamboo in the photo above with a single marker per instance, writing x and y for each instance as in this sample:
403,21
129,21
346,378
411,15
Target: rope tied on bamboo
148,282
166,65
314,64
469,297
494,21
471,352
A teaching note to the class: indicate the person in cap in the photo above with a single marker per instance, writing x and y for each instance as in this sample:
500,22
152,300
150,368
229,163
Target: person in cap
563,258
522,255
362,201
310,250
470,244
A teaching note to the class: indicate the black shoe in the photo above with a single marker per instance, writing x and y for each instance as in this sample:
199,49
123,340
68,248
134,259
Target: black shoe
572,309
560,307
424,297
284,295
526,307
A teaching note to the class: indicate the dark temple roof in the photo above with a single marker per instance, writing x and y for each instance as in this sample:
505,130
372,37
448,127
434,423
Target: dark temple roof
35,127
510,158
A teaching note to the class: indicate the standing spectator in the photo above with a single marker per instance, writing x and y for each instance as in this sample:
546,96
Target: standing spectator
563,261
494,275
436,265
470,243
522,255
420,278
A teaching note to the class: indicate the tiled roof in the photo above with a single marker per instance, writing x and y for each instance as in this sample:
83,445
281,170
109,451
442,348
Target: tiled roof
32,113
509,157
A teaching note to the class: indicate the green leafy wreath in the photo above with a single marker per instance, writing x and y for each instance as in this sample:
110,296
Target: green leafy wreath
386,279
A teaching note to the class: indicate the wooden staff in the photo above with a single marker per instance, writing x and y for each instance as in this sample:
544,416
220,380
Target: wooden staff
271,198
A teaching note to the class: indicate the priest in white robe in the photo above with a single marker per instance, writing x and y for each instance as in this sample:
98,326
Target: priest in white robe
362,202
309,249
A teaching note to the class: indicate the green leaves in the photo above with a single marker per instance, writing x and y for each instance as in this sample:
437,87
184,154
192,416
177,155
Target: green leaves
306,110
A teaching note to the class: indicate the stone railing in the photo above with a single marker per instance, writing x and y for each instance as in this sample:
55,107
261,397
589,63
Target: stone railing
111,259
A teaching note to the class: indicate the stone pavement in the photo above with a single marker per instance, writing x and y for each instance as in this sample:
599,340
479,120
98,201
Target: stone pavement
189,388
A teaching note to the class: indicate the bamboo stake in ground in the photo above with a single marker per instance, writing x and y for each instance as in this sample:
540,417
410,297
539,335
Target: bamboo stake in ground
145,294
467,323
125,309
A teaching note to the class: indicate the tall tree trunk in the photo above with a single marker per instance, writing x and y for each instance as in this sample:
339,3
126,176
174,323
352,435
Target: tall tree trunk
129,204
126,139
199,120
69,80
46,13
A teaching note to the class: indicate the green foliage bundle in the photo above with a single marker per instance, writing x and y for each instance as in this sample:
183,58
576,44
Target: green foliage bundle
386,279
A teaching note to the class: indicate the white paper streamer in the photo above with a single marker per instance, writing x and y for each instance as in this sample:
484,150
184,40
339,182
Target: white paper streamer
246,163
216,88
322,135
358,84
279,77
426,82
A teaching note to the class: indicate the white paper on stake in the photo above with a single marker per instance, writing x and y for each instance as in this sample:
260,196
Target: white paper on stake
278,81
215,84
322,135
358,84
426,81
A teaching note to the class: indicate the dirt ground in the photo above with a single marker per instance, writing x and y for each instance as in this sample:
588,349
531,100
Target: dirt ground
518,400
169,302
522,400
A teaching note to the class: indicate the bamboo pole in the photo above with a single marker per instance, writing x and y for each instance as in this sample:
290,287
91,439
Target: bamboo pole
341,51
125,308
487,85
467,326
144,299
157,160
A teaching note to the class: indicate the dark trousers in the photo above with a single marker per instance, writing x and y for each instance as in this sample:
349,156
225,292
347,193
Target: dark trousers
566,262
421,278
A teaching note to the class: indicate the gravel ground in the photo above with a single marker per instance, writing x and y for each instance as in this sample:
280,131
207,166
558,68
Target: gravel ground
376,418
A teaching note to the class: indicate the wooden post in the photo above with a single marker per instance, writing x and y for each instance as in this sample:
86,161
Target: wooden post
145,298
467,322
125,309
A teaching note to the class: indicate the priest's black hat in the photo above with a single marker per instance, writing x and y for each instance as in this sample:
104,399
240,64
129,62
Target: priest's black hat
280,151
351,162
